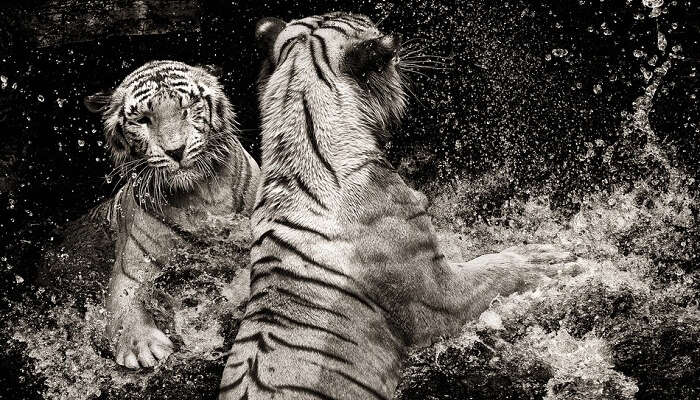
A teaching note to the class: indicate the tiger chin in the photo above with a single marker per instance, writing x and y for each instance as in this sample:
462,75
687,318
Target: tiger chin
346,270
171,132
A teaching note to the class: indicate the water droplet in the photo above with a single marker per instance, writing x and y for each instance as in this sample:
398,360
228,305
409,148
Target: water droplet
597,88
40,98
653,3
81,142
560,52
661,41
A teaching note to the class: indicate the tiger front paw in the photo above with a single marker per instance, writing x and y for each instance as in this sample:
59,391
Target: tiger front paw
141,345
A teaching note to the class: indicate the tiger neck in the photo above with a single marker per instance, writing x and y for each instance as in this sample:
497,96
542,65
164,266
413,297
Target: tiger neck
317,144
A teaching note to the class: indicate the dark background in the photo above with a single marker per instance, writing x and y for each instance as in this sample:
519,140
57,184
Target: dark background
507,106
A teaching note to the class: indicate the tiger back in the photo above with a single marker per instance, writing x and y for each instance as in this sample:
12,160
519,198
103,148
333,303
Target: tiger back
346,271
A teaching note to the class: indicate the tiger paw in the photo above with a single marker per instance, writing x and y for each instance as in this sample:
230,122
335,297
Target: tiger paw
540,254
141,345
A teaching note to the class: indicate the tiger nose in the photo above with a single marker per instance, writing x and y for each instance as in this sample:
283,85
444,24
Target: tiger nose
176,154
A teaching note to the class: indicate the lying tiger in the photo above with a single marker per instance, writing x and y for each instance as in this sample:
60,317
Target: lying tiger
171,131
346,269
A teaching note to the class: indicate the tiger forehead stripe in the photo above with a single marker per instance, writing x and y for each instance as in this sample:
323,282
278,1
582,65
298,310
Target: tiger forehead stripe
163,67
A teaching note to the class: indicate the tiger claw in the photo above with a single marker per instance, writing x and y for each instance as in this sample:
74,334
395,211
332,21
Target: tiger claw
140,346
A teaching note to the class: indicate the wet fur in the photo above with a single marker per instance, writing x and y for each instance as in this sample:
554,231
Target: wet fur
346,271
163,200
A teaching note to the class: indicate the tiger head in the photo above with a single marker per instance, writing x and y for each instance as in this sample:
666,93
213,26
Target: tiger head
168,125
340,59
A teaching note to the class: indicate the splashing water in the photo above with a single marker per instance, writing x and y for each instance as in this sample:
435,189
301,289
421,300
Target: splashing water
653,3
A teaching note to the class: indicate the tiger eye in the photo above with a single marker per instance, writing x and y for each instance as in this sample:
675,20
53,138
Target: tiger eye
144,120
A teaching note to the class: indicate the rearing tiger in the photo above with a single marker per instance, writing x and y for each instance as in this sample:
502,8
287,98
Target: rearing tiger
170,130
346,268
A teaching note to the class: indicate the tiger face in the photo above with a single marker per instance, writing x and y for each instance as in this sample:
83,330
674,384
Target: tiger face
341,52
169,123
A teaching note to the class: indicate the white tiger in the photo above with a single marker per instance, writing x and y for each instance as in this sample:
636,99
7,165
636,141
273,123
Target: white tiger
172,132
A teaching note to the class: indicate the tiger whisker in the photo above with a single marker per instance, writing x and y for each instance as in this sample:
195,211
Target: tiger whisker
417,72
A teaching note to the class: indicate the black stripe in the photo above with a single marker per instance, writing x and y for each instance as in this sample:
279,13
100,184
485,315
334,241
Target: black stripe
144,251
255,374
414,248
260,204
265,259
302,23
307,190
177,84
244,188
262,237
317,66
301,389
352,18
324,52
158,66
256,276
292,74
142,92
184,235
259,339
296,299
309,349
353,27
146,234
417,215
335,28
364,386
284,46
311,134
327,285
378,161
233,384
267,314
211,107
438,257
128,275
308,303
289,247
157,75
293,225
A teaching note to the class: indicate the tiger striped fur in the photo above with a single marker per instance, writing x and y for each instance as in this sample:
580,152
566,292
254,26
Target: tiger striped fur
171,132
346,271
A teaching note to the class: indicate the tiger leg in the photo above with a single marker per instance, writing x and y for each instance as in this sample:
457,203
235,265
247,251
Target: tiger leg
137,341
513,269
453,293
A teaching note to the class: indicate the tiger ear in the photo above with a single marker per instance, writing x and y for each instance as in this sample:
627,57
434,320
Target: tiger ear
266,32
372,54
98,103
